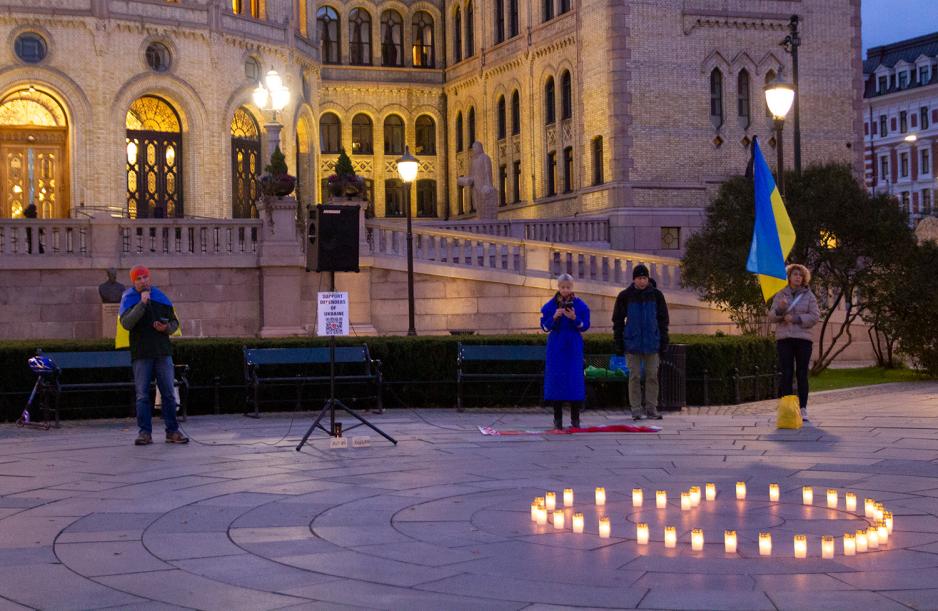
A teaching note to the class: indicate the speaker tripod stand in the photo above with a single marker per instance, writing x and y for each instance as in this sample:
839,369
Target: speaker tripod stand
332,403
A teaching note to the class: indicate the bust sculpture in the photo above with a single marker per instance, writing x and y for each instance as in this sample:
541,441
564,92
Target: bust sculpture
112,290
484,195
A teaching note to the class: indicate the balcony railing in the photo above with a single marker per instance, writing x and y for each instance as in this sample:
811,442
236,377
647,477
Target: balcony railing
45,238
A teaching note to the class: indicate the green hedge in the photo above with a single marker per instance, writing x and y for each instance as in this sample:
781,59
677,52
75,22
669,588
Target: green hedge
418,371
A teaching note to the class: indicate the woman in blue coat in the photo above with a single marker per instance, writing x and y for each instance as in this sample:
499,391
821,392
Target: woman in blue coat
565,318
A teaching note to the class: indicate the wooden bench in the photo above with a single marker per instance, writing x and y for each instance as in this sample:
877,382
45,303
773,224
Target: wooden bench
67,364
264,367
469,355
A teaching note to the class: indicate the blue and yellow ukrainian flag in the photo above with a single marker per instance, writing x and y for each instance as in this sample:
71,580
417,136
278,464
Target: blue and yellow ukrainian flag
129,299
772,236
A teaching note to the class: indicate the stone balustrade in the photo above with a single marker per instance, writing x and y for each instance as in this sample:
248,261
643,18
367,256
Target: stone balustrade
184,237
45,239
563,230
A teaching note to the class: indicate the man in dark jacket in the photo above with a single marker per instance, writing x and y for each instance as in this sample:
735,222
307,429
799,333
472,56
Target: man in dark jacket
640,329
148,314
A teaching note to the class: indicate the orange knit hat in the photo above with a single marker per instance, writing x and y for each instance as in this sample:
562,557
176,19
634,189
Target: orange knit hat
138,270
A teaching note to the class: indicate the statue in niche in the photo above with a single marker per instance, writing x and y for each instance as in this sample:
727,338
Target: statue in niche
484,195
112,290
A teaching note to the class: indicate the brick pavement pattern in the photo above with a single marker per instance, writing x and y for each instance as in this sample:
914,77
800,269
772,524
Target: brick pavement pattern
442,521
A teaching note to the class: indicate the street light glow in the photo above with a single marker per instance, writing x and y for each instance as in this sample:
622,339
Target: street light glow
407,167
779,95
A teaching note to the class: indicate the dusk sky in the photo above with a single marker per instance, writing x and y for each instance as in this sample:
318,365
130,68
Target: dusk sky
887,21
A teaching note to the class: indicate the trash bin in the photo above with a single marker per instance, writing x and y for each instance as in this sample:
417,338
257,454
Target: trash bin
672,391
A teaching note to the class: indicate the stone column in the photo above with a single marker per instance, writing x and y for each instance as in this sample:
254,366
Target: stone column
282,266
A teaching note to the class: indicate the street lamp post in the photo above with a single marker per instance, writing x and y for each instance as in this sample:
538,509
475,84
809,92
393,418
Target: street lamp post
272,95
407,169
779,95
791,44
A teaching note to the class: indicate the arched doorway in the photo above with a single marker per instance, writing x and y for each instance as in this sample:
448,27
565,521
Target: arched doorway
34,153
245,164
305,182
154,159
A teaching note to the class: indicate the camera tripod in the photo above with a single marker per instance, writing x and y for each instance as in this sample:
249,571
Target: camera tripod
332,403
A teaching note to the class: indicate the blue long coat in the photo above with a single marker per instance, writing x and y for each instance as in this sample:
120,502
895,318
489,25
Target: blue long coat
563,374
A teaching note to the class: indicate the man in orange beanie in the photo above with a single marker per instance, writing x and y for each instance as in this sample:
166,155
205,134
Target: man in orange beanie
148,314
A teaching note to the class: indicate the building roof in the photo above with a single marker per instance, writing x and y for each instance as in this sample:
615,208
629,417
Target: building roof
908,50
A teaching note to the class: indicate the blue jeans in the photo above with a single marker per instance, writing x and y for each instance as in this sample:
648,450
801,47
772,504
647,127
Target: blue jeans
144,370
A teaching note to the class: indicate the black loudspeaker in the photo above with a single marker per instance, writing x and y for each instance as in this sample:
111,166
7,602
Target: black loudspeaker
332,238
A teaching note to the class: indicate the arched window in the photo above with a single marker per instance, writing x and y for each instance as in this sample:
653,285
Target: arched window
245,164
426,198
425,129
716,97
330,133
564,6
742,96
327,22
550,104
513,24
395,195
359,37
459,137
501,119
499,20
470,31
769,77
515,113
471,120
392,39
566,96
393,135
548,9
423,40
457,36
154,159
362,135
242,7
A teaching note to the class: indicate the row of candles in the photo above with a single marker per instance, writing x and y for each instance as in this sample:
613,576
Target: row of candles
691,498
860,541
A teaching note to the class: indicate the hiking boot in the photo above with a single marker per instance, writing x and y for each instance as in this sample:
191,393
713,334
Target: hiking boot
143,439
656,416
176,437
637,417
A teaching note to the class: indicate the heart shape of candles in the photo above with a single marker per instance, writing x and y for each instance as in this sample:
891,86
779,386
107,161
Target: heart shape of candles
545,511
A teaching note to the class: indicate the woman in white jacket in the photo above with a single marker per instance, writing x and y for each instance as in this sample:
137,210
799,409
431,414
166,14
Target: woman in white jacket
795,310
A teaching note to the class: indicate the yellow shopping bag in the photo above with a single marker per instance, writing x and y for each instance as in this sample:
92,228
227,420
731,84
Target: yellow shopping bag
789,413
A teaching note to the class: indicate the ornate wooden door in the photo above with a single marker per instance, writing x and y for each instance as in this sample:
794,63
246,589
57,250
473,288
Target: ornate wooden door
154,181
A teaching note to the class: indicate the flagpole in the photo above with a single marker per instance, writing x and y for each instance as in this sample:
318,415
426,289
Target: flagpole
780,162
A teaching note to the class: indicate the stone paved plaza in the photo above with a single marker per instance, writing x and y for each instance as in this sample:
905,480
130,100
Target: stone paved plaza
442,521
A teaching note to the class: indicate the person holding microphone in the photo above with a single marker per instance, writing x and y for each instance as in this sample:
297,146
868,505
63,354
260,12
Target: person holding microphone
148,315
565,317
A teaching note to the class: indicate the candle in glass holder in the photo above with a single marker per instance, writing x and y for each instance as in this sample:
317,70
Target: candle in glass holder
887,518
765,544
740,491
807,495
773,492
578,523
534,507
661,499
694,496
850,499
697,539
801,546
558,518
638,497
670,536
882,533
827,547
605,529
711,491
861,540
869,506
685,501
850,544
872,537
832,498
641,533
879,511
600,495
550,500
568,497
729,541
541,515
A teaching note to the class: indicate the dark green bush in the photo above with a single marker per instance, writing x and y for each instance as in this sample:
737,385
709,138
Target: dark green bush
418,372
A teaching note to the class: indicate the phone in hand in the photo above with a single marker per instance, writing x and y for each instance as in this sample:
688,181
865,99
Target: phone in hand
164,320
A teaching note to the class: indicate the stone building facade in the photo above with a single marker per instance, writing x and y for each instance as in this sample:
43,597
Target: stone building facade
630,109
901,122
